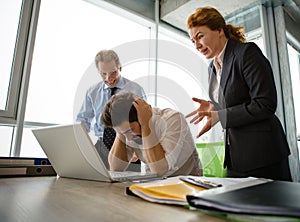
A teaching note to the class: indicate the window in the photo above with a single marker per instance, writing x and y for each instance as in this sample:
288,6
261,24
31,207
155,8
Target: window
69,34
9,23
15,23
294,58
6,133
182,74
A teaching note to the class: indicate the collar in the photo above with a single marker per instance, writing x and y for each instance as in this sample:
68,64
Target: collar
220,57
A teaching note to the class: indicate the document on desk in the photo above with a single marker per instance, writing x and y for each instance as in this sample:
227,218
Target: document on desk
174,190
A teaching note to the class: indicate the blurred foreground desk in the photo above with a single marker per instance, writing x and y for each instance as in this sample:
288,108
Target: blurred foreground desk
35,199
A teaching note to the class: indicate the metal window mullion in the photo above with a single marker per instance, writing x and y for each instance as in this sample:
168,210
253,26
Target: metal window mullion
270,41
156,50
287,91
29,42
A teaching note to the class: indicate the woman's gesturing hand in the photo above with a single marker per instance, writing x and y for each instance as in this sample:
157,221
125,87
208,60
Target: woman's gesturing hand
206,109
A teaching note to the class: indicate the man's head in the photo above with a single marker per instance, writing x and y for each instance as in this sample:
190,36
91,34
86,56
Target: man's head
120,114
109,66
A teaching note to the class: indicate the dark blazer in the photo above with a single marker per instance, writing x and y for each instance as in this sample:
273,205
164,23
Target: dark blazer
246,106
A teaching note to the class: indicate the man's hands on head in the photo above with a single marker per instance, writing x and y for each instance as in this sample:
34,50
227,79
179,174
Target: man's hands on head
144,111
153,150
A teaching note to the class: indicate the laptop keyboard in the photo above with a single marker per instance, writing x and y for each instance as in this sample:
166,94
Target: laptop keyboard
123,176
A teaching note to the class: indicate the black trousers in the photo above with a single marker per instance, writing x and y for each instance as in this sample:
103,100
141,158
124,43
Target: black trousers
277,171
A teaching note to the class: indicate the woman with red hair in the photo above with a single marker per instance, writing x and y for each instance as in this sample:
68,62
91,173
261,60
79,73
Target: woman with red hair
242,97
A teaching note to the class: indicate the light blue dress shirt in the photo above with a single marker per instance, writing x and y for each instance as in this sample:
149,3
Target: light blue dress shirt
95,99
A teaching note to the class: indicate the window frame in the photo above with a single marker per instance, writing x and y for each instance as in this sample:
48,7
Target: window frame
20,59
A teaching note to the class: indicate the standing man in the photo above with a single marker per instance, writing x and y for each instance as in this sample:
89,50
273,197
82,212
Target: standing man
109,68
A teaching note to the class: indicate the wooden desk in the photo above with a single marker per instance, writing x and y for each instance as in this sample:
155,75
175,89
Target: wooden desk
36,199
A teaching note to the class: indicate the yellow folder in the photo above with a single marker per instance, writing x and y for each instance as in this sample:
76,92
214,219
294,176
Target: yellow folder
171,190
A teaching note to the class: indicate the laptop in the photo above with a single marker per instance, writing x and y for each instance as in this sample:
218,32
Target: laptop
72,154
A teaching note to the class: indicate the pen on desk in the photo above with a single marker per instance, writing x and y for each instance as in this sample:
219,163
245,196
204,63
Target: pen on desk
200,182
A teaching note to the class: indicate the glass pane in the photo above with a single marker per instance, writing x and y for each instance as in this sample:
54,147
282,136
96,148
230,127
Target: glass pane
294,57
181,76
9,20
6,133
33,148
295,76
69,35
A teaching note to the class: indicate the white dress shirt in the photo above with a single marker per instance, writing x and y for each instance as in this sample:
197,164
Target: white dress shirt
174,135
218,63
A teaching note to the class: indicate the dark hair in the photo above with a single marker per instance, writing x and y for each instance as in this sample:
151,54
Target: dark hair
212,18
119,109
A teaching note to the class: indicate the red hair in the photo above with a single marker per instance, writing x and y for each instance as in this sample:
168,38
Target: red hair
212,18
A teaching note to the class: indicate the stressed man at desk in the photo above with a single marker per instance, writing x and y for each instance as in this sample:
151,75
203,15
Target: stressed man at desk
160,138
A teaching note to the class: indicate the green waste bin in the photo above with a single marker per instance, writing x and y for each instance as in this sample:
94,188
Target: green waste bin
212,158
